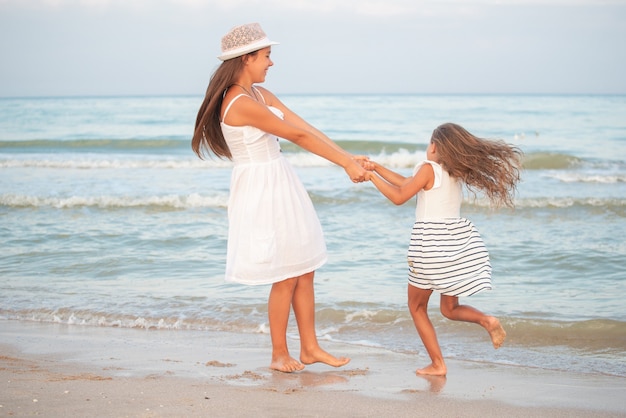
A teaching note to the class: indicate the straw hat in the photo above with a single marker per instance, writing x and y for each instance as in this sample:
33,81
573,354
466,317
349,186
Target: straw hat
242,40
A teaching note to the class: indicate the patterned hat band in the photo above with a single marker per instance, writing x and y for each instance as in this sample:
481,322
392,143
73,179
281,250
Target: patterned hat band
242,40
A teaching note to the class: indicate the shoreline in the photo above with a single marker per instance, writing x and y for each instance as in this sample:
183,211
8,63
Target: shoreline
61,370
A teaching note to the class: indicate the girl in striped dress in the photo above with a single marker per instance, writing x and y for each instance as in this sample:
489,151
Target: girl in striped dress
446,253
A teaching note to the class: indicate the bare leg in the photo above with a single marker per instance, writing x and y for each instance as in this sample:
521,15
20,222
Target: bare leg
279,307
418,306
451,309
304,310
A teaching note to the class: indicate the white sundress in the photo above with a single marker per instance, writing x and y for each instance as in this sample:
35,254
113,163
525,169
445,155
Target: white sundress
446,253
273,230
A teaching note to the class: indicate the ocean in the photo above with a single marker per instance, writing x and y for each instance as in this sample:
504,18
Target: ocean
108,219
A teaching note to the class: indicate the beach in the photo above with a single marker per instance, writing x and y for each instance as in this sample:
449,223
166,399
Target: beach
112,293
59,370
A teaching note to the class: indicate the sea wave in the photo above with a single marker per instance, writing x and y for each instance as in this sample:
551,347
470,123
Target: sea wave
592,335
171,202
180,321
610,204
105,145
196,200
98,163
394,158
550,161
589,177
93,145
588,335
173,153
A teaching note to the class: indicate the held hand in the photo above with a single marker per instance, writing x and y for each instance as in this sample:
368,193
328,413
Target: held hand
369,165
355,172
361,159
365,162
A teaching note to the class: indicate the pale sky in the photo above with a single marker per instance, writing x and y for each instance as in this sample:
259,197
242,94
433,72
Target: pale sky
156,47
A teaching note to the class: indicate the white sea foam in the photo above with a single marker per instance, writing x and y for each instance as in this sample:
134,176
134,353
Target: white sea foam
194,200
107,163
588,177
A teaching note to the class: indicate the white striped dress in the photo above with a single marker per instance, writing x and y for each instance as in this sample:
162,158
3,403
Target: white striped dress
446,253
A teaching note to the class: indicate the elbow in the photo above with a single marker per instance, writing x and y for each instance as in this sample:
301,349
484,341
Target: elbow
395,198
399,200
298,138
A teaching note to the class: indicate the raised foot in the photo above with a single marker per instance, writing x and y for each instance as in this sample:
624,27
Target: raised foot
286,364
320,356
432,370
496,332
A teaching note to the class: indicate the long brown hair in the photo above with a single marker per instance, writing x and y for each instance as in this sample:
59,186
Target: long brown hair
491,166
208,136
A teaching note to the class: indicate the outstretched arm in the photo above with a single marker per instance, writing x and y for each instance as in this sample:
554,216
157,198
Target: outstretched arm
294,119
295,129
389,175
398,189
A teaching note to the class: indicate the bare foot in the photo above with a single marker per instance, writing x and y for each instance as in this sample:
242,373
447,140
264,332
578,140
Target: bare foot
496,332
320,356
286,364
432,370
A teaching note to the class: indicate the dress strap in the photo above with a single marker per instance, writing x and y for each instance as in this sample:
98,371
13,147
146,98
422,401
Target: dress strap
260,94
230,104
238,96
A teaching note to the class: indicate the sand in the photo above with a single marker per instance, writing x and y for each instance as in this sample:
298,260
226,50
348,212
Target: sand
56,370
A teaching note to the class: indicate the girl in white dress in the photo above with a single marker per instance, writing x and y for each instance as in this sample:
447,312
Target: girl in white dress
274,234
446,253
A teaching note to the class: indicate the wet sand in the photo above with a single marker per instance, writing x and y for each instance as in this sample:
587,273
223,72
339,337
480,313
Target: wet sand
57,370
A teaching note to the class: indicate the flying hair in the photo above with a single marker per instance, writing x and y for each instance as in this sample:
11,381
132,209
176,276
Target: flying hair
490,166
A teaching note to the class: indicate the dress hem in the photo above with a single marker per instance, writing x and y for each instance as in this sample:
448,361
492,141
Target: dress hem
457,294
279,278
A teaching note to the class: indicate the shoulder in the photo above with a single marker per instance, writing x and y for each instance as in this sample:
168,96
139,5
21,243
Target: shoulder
232,96
233,103
263,90
432,169
427,165
270,98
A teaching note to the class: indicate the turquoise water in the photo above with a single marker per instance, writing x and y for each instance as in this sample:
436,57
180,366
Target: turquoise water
108,219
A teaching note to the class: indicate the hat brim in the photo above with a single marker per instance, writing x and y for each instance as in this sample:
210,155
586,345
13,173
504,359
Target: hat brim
234,53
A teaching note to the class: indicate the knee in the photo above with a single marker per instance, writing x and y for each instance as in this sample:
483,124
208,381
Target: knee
287,286
448,306
446,311
417,304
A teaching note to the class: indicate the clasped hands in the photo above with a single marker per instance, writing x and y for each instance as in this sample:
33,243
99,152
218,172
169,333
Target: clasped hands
362,171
